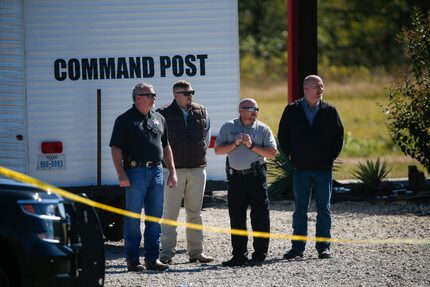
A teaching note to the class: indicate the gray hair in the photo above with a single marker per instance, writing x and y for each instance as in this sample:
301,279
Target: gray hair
138,89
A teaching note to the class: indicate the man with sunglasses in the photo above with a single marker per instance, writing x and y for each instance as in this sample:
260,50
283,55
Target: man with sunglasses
311,136
189,135
247,142
138,144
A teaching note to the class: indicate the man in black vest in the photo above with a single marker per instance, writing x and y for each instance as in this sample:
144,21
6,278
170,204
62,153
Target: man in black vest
311,135
189,135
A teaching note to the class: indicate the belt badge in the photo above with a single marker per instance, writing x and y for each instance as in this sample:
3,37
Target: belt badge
133,163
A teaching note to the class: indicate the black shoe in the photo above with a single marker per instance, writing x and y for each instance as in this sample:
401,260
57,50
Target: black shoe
166,260
235,262
255,262
324,254
293,254
155,265
135,267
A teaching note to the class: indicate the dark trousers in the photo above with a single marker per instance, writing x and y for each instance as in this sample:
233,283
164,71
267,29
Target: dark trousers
243,191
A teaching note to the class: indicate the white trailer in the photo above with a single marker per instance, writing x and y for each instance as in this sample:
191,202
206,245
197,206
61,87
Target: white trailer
56,54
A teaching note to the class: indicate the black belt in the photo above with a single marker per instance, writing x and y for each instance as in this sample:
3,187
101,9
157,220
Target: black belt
256,170
135,164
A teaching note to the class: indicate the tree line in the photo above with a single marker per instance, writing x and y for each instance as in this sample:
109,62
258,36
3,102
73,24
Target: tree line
351,33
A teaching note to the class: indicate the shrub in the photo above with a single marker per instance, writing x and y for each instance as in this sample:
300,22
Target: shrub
281,169
372,175
408,110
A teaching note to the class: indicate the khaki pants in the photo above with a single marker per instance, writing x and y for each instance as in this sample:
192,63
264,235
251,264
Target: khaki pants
190,187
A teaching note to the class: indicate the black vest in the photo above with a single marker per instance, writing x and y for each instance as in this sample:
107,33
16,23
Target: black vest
187,142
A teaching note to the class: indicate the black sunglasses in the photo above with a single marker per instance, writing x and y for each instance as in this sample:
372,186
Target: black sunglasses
187,93
149,95
250,109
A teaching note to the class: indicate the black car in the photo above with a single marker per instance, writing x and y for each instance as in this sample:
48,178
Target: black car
46,240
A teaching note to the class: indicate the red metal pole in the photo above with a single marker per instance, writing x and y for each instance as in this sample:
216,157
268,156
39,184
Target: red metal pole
302,44
293,50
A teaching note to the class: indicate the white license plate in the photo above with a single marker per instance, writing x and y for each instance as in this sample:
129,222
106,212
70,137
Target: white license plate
51,161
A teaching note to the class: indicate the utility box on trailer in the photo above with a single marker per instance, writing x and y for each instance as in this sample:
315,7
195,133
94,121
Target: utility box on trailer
56,56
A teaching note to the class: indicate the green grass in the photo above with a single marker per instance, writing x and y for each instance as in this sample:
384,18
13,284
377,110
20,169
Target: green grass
358,104
271,100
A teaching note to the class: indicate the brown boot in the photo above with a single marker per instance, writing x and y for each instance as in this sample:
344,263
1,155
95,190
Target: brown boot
202,259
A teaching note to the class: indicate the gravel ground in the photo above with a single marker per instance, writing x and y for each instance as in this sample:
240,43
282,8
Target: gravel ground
351,264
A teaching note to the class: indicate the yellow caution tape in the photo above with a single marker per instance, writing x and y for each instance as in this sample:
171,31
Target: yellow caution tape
74,197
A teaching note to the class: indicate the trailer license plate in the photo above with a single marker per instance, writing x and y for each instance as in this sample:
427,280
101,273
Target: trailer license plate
51,161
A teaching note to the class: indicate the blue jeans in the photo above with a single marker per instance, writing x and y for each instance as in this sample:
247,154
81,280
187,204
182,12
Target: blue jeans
146,191
318,183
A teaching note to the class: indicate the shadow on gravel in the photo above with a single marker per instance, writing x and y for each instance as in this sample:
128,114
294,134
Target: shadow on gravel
116,269
280,260
382,207
194,268
120,269
197,268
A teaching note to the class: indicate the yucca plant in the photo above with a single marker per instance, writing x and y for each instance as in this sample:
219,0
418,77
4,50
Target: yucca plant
372,175
281,169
